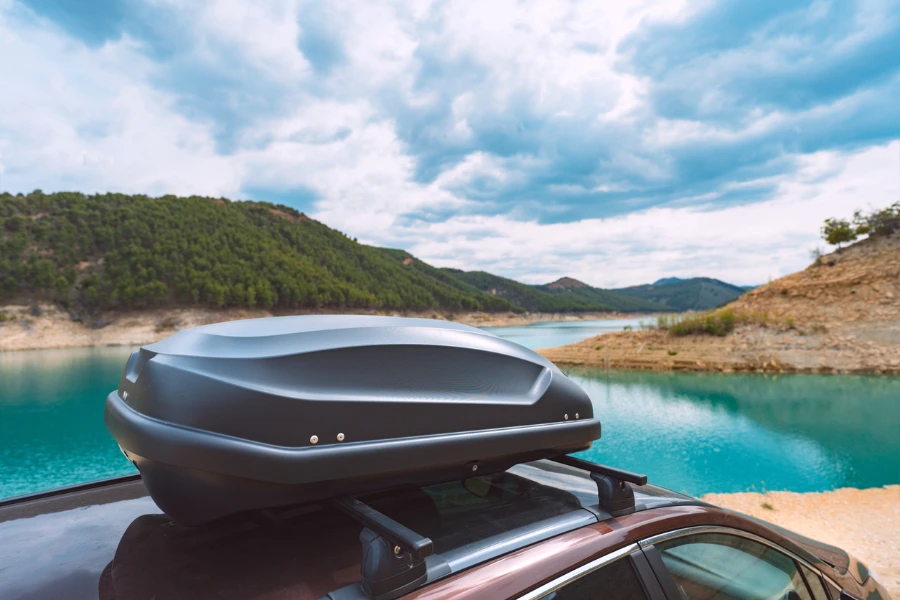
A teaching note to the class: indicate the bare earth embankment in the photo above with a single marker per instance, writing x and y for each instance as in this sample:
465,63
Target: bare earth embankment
54,327
865,523
839,315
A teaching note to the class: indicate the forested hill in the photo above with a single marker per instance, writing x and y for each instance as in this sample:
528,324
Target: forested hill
698,293
564,295
118,251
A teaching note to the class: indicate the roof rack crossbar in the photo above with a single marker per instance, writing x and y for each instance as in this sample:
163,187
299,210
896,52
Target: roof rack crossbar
410,541
584,465
615,497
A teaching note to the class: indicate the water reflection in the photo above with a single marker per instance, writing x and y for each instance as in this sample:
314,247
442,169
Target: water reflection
51,418
724,433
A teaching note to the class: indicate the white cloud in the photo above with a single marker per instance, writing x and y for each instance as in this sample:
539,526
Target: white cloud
745,244
110,118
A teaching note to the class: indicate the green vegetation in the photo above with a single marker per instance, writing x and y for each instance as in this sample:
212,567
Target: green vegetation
874,224
554,297
117,251
719,323
699,293
576,291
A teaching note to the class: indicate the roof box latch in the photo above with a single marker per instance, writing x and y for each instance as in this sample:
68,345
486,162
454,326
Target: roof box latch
616,497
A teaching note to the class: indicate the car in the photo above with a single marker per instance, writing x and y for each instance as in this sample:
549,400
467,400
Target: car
536,530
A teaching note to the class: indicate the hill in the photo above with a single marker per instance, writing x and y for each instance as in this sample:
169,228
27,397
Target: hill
564,295
698,293
578,291
840,314
115,251
666,280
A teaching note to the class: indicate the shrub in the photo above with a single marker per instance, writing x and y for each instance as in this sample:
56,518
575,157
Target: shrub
838,231
719,323
3,317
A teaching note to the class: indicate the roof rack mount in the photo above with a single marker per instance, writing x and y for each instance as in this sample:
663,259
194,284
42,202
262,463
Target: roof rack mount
615,497
393,556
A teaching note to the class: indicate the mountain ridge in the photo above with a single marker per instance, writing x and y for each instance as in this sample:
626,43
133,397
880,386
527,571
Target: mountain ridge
91,253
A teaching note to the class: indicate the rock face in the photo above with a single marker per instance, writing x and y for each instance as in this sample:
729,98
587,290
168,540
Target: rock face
841,314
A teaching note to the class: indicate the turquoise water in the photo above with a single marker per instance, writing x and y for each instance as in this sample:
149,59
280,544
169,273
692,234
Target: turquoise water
691,432
556,333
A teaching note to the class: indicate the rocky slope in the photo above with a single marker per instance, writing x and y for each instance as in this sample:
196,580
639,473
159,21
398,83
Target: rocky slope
841,314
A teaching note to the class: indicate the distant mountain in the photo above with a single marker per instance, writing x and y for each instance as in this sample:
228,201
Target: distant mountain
578,291
698,293
563,295
666,280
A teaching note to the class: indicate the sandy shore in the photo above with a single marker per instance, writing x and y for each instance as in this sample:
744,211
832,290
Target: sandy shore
865,523
55,328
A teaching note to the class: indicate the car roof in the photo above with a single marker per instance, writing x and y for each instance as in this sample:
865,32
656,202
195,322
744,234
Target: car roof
112,533
109,539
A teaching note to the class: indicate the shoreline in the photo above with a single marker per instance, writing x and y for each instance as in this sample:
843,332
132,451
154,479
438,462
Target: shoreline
54,328
864,522
860,347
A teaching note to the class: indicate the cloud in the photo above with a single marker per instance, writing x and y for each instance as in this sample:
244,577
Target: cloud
527,138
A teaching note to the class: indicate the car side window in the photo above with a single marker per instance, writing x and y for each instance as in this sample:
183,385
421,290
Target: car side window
615,581
814,581
718,566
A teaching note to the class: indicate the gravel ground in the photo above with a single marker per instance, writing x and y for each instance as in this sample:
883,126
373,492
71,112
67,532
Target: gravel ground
865,523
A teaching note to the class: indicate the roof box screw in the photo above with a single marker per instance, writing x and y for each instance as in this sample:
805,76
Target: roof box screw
314,439
340,437
566,416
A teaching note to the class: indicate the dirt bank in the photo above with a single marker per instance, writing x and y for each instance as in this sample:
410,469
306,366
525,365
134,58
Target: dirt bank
872,347
55,328
865,523
841,314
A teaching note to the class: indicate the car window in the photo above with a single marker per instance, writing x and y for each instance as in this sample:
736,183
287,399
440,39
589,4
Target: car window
814,581
615,581
726,567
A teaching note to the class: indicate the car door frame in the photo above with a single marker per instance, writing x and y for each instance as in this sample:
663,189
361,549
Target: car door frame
667,582
632,553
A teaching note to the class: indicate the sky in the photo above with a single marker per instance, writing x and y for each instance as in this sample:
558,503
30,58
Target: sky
614,142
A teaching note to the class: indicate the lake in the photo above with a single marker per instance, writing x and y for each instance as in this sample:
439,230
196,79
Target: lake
697,433
561,333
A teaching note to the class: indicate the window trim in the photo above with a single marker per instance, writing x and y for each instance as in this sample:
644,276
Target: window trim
579,572
697,530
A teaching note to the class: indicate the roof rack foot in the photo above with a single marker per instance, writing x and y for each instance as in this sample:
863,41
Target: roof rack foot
616,497
388,571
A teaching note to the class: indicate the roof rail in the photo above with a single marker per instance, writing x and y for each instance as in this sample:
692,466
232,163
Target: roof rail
397,560
615,497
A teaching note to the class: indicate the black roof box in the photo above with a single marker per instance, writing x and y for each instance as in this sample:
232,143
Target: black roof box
266,412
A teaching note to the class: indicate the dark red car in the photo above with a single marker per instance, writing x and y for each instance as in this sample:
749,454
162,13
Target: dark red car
538,530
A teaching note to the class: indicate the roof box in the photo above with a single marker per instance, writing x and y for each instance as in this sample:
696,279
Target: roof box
268,412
